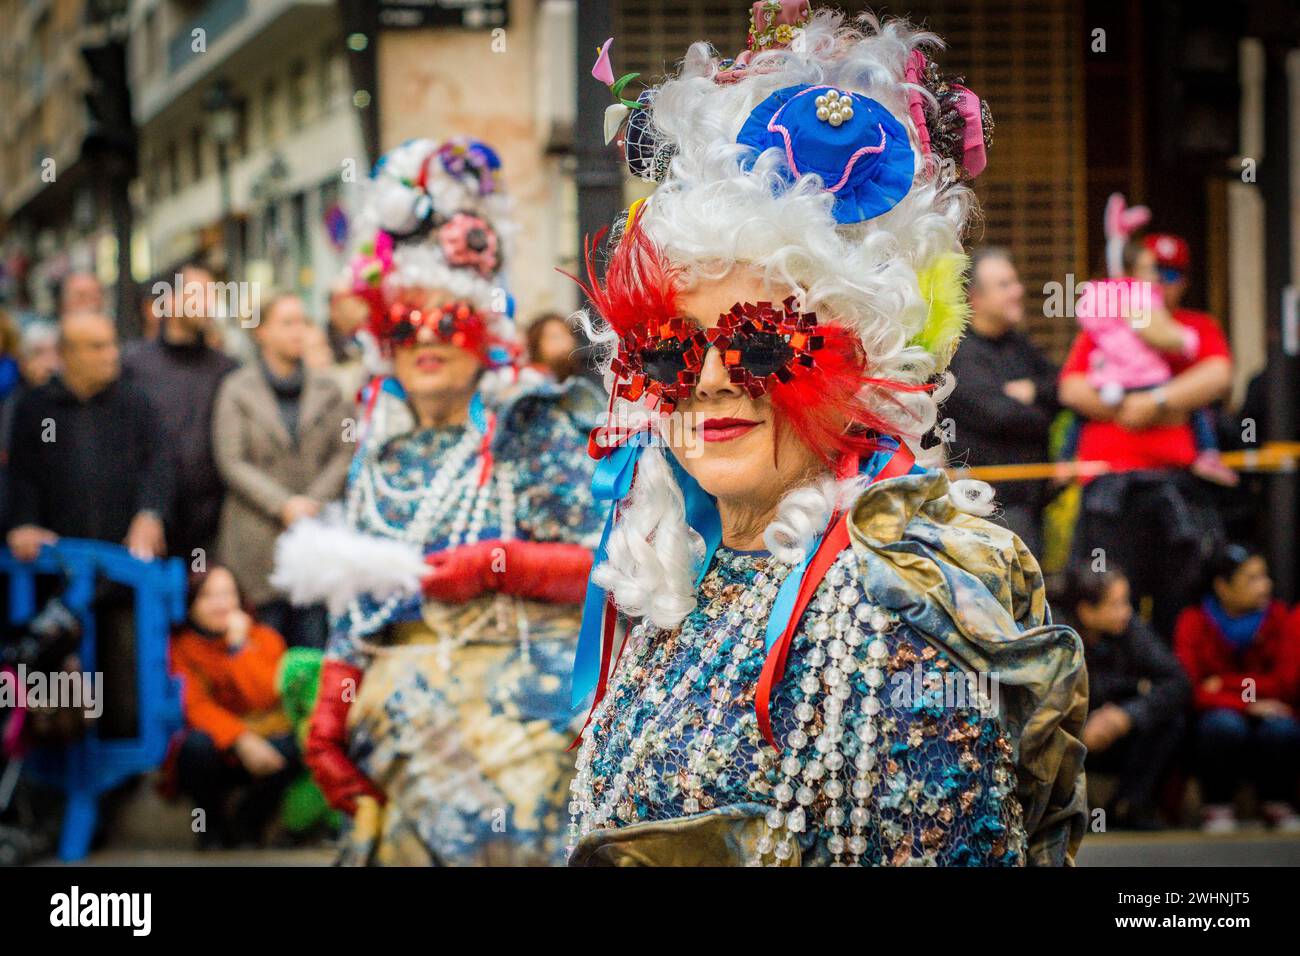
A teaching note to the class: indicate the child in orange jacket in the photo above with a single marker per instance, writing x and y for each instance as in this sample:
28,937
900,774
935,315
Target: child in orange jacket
238,738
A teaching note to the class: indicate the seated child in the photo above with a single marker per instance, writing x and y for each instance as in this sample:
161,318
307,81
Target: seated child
239,746
1137,693
1241,650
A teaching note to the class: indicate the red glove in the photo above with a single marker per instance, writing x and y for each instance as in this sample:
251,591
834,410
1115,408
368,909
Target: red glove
538,570
326,752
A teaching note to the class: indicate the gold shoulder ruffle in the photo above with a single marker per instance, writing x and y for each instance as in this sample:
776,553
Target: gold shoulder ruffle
972,588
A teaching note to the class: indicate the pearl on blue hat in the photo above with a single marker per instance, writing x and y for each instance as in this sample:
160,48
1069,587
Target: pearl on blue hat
834,107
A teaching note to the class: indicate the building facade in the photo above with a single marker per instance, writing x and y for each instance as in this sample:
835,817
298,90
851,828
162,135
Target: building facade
513,87
55,215
249,139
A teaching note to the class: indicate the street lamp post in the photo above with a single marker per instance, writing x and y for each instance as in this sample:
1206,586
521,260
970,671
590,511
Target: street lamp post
264,192
599,176
222,108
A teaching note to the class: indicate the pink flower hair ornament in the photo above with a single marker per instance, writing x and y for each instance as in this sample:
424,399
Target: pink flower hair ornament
645,151
959,129
374,262
617,111
469,242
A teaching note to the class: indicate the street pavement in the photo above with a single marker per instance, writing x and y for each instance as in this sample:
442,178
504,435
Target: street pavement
1190,848
1169,848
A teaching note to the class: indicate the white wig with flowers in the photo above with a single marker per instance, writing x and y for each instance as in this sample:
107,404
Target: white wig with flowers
856,212
432,217
712,212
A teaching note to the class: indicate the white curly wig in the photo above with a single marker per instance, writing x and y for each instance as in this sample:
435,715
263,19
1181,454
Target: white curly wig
719,208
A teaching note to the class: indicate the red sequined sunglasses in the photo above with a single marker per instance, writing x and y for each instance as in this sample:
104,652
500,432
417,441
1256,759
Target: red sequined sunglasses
760,346
455,323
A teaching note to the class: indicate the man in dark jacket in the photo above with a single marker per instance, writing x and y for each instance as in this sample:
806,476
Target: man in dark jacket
86,457
180,373
1005,399
87,460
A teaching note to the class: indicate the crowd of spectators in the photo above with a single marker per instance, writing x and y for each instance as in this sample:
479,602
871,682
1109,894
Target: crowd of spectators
1194,668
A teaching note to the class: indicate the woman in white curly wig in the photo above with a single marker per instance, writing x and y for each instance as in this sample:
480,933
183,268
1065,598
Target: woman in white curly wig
800,646
441,726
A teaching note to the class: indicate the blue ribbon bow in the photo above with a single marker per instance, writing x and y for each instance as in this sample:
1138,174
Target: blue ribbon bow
611,482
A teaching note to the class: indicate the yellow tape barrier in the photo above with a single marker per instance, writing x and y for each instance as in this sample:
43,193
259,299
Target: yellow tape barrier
1274,456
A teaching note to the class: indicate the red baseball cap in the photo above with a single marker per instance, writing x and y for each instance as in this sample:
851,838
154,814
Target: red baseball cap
1171,251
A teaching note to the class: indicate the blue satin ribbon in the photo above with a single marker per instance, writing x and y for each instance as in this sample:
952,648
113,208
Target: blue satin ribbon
611,482
783,605
478,413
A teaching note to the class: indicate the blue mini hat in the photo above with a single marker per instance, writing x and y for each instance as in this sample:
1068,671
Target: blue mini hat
852,142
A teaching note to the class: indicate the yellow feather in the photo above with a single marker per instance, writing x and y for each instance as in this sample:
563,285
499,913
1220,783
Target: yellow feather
942,286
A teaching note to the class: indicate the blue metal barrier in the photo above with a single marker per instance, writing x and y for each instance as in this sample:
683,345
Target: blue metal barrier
92,766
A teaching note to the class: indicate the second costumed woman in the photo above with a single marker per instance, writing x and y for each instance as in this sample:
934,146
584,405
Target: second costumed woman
455,576
827,657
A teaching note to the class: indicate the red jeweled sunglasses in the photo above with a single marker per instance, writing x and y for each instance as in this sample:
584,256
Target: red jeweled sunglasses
455,323
760,345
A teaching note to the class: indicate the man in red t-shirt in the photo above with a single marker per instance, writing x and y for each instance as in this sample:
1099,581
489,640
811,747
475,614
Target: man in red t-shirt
1150,517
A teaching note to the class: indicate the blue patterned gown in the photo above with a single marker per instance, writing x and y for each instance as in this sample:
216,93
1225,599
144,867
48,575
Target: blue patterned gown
463,717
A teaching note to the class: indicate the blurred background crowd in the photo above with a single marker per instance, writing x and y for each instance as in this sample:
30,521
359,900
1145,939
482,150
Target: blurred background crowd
156,147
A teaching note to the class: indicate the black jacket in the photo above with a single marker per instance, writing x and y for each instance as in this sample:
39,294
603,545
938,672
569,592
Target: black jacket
992,428
181,382
84,469
1138,672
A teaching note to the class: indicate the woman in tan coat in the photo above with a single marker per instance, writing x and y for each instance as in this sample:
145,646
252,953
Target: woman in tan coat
280,435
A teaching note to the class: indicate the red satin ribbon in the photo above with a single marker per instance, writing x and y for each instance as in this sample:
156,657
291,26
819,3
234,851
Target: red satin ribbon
485,450
604,439
376,386
608,621
834,541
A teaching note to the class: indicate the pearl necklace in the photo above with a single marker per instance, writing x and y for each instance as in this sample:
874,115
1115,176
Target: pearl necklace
455,487
451,484
835,632
834,629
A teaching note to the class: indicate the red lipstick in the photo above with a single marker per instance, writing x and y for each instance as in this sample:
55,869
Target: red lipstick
726,429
